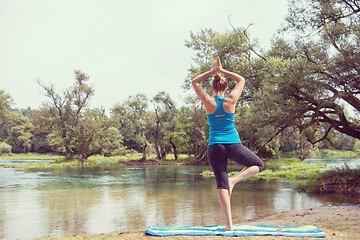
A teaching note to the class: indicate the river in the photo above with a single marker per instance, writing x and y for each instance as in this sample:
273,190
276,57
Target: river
97,200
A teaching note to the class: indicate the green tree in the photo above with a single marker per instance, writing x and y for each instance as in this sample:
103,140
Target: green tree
126,127
180,129
88,133
75,129
42,121
176,136
130,117
112,143
5,110
323,79
194,124
4,148
312,81
15,128
19,133
165,112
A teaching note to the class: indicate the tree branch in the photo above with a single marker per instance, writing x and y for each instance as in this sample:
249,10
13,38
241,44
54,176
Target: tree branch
248,39
325,136
271,138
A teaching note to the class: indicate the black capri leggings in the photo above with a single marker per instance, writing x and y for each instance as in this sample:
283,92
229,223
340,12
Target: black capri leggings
218,154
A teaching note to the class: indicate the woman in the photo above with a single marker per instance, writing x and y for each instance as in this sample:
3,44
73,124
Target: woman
224,140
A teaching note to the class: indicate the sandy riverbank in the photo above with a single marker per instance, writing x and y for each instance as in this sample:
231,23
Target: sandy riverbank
340,223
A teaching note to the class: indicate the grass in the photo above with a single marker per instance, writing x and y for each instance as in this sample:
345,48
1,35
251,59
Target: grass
336,153
49,156
326,153
95,160
340,180
284,168
30,156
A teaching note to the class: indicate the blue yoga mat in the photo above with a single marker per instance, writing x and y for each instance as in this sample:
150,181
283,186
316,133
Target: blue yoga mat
239,231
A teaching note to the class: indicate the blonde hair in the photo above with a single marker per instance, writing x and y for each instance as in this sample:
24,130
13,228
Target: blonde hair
219,83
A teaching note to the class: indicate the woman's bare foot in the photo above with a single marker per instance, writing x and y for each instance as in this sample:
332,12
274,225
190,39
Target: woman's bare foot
231,185
229,228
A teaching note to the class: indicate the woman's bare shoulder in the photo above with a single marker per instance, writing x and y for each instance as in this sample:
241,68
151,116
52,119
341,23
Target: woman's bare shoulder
229,105
210,105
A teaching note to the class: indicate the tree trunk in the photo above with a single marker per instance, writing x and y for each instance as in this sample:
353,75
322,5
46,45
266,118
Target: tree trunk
174,148
158,154
162,153
68,153
270,139
251,140
156,136
144,150
145,146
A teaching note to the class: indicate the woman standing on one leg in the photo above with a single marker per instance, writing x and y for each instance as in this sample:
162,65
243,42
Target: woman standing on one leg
224,140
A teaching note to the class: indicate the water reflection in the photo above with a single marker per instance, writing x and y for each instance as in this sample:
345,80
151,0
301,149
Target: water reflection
106,199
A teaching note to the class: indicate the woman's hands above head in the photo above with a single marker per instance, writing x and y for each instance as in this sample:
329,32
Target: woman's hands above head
209,101
218,67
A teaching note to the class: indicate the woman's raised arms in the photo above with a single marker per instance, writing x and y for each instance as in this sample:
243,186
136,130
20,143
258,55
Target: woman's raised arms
233,96
240,82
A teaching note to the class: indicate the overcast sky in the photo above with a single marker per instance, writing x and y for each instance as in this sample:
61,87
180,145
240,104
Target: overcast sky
126,47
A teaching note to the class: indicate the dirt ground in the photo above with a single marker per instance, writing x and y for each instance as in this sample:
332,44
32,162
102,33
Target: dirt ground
340,223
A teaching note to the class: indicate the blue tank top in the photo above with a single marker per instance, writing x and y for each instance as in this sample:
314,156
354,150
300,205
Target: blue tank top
222,127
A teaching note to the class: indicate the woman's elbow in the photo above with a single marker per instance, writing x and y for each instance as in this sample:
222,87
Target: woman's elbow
242,80
194,83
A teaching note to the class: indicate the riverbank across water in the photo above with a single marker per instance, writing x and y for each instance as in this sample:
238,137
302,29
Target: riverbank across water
338,223
182,158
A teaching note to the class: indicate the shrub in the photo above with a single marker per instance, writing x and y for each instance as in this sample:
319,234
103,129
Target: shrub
4,148
341,180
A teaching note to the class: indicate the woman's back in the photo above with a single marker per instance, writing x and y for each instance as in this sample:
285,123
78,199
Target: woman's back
222,127
211,105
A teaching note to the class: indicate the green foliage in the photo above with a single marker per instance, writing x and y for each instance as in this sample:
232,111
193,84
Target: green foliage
328,59
348,143
269,151
19,133
333,154
65,114
87,134
70,126
5,102
207,173
32,156
284,168
356,146
4,148
164,114
340,180
193,119
112,143
15,128
130,118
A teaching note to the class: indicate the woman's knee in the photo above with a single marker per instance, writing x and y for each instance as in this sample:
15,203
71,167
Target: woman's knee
222,179
261,165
